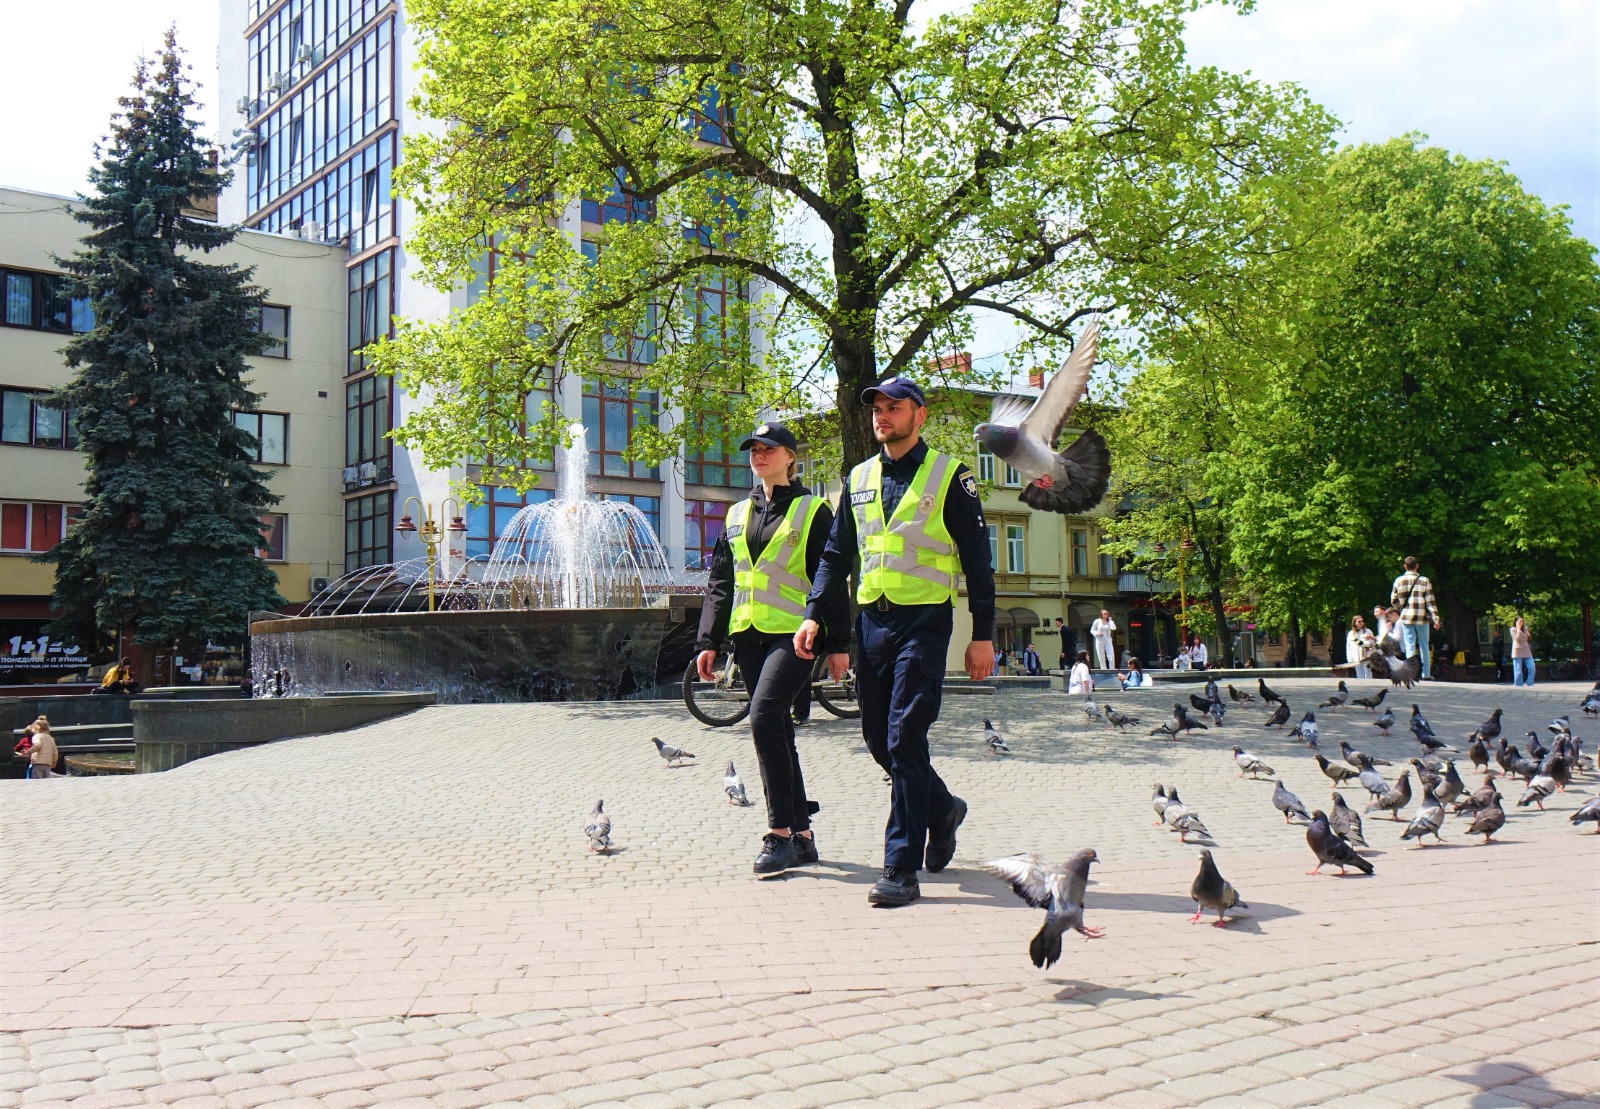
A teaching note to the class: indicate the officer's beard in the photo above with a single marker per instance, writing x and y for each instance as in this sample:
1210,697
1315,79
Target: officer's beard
896,434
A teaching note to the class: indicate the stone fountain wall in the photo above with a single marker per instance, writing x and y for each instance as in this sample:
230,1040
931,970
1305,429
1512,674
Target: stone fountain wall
469,657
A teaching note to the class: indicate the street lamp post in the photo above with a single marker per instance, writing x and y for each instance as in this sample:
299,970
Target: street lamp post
431,533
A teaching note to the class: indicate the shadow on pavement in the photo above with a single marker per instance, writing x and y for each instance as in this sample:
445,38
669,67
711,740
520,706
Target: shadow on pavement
1089,993
1498,1081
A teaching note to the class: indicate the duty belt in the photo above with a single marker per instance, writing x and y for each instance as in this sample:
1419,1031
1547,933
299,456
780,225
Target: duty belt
882,604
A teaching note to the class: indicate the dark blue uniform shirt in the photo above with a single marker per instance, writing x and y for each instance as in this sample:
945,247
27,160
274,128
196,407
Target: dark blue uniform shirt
963,517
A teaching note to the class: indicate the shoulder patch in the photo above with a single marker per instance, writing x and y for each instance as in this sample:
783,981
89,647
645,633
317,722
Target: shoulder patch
863,496
970,484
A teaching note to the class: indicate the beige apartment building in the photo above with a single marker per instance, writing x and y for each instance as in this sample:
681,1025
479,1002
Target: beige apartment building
299,421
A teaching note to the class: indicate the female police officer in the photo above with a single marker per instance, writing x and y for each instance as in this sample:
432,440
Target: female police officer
761,571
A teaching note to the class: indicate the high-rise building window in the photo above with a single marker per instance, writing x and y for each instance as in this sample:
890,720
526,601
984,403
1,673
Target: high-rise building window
271,432
650,506
36,300
715,293
295,40
370,313
273,525
368,531
640,349
1080,552
345,202
27,422
487,521
618,206
367,421
719,465
610,414
703,524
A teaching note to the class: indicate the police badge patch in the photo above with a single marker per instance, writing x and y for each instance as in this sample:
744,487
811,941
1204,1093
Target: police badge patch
927,503
970,484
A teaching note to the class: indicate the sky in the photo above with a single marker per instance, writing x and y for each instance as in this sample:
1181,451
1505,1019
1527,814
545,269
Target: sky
1514,80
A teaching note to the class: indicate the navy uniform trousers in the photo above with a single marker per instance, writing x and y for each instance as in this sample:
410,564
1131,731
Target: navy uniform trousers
900,678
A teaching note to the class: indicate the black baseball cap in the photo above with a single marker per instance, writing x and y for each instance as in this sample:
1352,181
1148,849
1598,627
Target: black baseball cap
896,388
772,435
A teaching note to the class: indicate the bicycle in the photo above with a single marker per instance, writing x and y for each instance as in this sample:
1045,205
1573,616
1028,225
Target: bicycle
1586,665
725,701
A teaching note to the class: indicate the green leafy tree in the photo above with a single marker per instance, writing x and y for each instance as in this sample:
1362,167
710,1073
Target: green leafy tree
871,178
165,542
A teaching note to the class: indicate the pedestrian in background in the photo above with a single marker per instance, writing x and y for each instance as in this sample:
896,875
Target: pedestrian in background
1135,678
1497,652
1521,653
1358,641
43,755
1065,645
1030,661
1412,595
1101,632
1081,681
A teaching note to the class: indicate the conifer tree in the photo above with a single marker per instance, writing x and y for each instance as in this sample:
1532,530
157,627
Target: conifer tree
165,541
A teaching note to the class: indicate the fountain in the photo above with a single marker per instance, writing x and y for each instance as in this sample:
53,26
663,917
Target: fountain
572,604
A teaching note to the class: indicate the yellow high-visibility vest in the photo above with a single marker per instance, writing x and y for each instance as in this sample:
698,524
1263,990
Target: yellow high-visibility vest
910,558
769,591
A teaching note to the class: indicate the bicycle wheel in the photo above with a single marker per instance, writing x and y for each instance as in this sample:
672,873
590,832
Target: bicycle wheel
838,697
718,704
1563,670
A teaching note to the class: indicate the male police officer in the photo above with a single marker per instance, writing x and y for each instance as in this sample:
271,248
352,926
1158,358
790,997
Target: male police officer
914,518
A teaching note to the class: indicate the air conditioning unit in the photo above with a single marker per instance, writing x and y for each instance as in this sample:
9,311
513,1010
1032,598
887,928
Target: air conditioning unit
281,83
368,473
249,140
242,105
311,231
304,55
319,585
348,476
317,54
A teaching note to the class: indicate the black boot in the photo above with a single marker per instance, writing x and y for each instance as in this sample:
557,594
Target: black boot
898,886
777,855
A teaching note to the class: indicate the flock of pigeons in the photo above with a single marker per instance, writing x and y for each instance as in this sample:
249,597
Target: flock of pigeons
1332,837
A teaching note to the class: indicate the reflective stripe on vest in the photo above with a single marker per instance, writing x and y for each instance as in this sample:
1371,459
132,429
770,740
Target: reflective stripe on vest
909,558
769,592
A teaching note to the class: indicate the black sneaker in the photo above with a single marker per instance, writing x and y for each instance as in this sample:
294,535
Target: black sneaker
801,721
777,855
897,887
942,841
805,850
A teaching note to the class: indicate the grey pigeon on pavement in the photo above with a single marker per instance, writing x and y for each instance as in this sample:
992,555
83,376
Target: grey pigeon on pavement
1239,696
598,828
1346,821
733,786
1450,785
1158,801
1212,693
1429,819
1337,699
670,754
1588,812
1541,785
1536,750
1478,752
1306,729
1480,799
1210,890
1249,763
1396,799
1335,771
1371,703
1488,821
1560,725
1419,724
1217,711
1385,721
1179,818
1024,433
1371,780
996,745
1092,710
1056,889
1287,803
1354,757
1330,848
1279,717
1119,720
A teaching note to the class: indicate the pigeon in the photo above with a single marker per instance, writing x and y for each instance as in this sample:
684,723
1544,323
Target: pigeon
1056,889
1450,785
1561,724
1158,801
1591,703
1025,435
1588,812
1429,819
1238,696
1118,720
1541,785
1201,704
1432,744
1287,803
1188,824
1481,799
1419,723
1371,703
1371,780
1396,799
1406,673
1427,776
1213,694
1385,721
1279,717
1430,762
1185,722
670,754
1330,848
1346,821
1478,752
1337,700
1512,762
1210,890
1536,750
1490,728
1267,695
1355,758
1558,767
1306,729
598,828
733,786
1250,764
997,746
1217,710
1489,821
1092,710
1334,770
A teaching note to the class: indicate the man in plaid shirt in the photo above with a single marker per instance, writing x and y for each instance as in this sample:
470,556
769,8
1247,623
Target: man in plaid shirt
1413,596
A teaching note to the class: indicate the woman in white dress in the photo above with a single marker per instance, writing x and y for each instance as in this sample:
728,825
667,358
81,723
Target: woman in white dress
1080,682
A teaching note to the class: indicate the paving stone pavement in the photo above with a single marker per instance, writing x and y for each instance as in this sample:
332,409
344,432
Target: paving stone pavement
405,914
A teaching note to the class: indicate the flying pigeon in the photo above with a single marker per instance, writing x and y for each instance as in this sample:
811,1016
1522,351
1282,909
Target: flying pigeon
1306,729
1371,703
598,828
1396,799
1210,890
1334,770
1158,801
1056,889
1279,717
733,787
1429,819
1025,435
1267,695
1287,803
1239,696
1385,721
1330,848
670,754
1250,764
1346,821
1118,720
1337,700
1488,821
1588,812
997,746
1354,757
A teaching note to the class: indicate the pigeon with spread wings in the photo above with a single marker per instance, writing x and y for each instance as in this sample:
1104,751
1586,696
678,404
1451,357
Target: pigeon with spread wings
1025,435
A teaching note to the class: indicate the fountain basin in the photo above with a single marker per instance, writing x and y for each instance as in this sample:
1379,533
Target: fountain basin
471,656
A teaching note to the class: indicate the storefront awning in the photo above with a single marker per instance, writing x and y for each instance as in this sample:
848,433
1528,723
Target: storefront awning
1024,618
1002,618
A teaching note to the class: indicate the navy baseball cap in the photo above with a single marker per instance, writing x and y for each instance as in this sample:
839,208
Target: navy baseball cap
772,435
896,388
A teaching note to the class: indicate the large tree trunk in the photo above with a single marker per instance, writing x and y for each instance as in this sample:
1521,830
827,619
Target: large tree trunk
1224,635
856,364
1297,641
1459,623
1336,645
